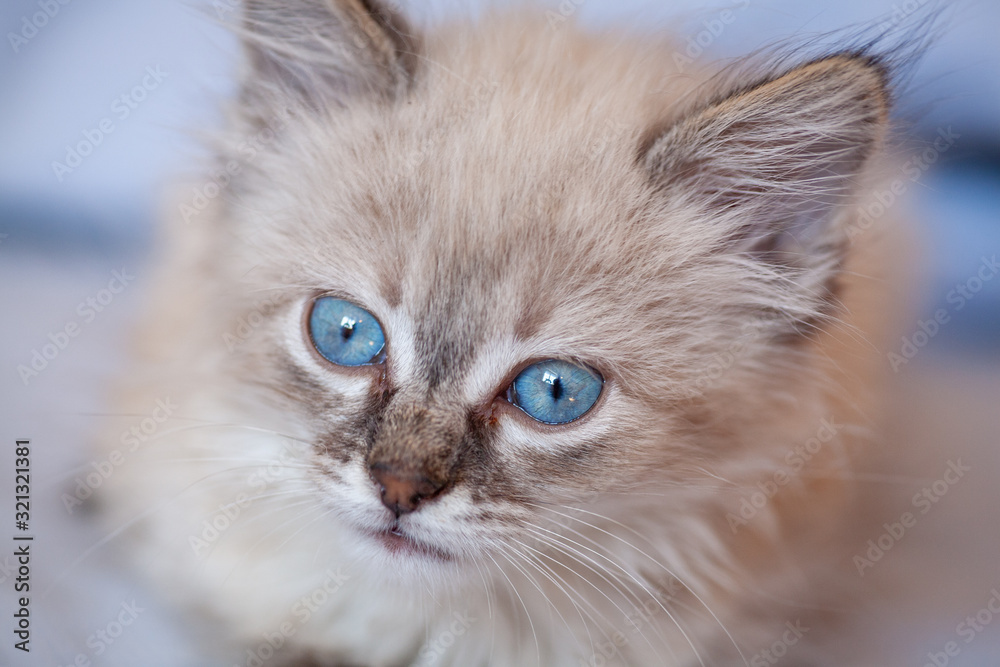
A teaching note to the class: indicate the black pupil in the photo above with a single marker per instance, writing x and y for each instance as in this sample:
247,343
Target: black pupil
346,331
557,389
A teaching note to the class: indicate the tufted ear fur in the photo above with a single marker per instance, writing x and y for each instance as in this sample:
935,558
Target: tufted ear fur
772,164
323,52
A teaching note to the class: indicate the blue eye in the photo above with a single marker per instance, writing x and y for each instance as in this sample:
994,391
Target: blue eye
555,392
344,333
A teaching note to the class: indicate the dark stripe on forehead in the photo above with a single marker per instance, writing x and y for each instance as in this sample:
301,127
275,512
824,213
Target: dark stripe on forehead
444,349
455,317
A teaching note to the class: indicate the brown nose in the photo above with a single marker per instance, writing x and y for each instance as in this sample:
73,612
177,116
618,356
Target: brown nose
403,493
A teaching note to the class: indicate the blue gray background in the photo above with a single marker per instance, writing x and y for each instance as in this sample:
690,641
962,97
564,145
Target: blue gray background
60,240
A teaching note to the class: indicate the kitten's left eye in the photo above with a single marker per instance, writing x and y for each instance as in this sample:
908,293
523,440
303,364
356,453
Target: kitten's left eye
555,392
344,333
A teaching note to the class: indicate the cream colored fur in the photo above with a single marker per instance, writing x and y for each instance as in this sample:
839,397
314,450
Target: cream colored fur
516,191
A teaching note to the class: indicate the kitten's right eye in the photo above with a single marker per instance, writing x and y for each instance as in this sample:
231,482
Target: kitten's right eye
345,334
555,391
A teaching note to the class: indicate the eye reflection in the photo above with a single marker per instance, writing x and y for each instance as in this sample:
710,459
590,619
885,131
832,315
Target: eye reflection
344,333
555,391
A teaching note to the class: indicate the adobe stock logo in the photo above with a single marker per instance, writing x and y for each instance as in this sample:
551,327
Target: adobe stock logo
131,439
712,28
779,648
957,298
894,531
795,460
31,25
911,171
59,340
566,9
970,628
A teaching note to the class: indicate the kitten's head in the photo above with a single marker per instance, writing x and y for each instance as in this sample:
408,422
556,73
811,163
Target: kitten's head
510,269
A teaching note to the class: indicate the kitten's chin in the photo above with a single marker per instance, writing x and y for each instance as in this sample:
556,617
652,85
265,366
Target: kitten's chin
400,544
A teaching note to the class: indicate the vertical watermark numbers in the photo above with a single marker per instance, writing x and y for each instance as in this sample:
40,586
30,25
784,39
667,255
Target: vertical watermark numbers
22,544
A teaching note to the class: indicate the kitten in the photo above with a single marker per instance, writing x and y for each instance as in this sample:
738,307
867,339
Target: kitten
512,344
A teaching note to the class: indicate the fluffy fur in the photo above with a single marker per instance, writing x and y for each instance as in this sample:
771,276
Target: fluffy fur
499,192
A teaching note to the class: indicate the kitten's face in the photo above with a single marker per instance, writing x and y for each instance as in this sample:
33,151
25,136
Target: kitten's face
471,280
503,209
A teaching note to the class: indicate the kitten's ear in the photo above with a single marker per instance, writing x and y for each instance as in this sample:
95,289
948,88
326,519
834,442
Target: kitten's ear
769,164
322,52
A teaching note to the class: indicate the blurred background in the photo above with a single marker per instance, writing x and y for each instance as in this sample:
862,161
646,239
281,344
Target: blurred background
102,107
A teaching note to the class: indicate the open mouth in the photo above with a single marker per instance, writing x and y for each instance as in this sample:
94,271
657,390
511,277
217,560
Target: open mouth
397,541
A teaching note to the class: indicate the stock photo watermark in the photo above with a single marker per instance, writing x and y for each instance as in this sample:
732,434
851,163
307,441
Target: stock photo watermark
433,649
247,151
721,363
912,171
131,439
59,340
22,542
247,324
956,298
7,569
711,29
794,632
971,627
301,611
481,93
795,460
565,10
215,526
104,637
900,13
640,616
32,24
923,501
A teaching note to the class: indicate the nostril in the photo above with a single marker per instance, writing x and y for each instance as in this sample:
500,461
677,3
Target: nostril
403,493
